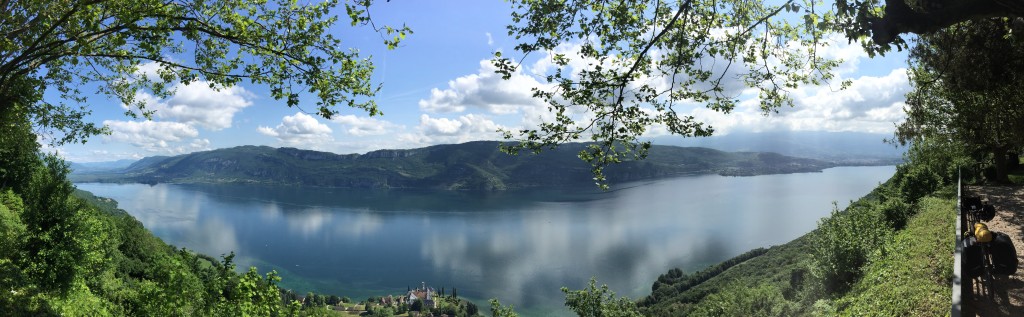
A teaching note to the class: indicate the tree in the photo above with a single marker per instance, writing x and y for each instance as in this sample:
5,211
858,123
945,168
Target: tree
594,301
623,67
309,300
636,64
497,310
383,312
966,81
53,248
286,45
18,149
333,300
884,23
471,309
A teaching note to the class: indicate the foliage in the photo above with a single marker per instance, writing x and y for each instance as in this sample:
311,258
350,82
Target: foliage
620,67
914,181
594,301
855,20
738,300
18,148
911,278
53,246
840,268
884,22
782,266
383,312
71,255
843,242
286,45
675,281
966,79
471,309
497,310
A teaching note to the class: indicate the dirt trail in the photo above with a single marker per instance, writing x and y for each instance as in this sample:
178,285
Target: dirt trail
1008,291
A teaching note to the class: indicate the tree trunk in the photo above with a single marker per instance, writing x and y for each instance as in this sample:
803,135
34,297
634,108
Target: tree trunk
927,16
1001,166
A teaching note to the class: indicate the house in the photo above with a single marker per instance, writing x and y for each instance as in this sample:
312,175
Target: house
389,301
423,293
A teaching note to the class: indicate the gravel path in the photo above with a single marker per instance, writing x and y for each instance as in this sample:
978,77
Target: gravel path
1008,290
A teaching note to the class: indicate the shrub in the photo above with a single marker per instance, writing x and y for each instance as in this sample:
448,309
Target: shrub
914,181
896,212
740,300
912,277
842,243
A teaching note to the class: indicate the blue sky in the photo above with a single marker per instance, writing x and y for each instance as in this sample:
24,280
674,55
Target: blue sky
439,88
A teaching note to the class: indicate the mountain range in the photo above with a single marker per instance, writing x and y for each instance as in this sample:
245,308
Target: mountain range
470,166
844,148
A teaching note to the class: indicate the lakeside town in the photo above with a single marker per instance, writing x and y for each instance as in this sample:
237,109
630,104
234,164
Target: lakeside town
422,301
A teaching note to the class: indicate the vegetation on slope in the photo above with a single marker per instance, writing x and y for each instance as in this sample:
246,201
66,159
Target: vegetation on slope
72,256
866,259
910,275
473,165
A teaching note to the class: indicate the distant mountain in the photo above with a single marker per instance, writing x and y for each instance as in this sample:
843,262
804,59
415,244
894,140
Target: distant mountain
845,148
94,167
473,165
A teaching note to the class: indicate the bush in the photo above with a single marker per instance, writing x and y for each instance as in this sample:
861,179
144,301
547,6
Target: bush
896,212
914,181
842,243
739,300
599,301
912,277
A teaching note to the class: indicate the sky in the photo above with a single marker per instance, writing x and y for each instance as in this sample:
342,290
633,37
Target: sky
438,87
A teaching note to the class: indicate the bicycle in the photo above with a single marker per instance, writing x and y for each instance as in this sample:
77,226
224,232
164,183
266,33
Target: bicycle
978,256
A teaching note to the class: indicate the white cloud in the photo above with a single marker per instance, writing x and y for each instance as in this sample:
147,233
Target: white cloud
871,104
465,128
837,47
157,136
149,70
485,90
199,105
490,39
365,126
439,126
102,156
300,130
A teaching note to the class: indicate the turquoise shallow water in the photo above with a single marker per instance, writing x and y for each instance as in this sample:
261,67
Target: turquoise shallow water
519,247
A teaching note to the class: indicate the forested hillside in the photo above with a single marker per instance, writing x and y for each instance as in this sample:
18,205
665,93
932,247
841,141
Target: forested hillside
69,253
868,259
473,165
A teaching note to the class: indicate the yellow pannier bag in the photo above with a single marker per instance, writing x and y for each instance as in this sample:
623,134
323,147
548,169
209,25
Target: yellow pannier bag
981,232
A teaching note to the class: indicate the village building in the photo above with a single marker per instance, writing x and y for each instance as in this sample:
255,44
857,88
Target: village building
424,293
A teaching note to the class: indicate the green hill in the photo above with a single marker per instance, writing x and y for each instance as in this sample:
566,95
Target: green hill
881,256
473,165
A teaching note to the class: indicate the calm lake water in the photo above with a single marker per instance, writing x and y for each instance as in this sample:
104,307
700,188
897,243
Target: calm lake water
519,247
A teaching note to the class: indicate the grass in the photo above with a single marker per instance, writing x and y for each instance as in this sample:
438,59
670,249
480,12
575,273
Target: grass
910,275
777,267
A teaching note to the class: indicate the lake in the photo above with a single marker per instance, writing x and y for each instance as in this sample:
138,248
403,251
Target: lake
519,247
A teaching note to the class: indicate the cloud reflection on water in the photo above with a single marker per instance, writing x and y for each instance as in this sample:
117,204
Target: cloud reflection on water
519,247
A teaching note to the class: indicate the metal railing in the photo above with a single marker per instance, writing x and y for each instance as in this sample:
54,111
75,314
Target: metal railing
955,308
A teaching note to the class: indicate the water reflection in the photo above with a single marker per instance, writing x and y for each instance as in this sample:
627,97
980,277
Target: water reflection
519,246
